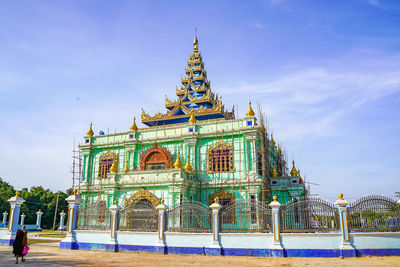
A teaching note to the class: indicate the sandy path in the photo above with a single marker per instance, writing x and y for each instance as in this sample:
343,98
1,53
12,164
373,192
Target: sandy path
40,255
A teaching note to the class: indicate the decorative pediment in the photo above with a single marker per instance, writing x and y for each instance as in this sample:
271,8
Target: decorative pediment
221,194
155,154
142,194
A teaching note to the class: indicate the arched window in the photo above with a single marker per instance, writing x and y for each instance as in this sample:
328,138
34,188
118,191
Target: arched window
220,157
155,161
155,157
105,162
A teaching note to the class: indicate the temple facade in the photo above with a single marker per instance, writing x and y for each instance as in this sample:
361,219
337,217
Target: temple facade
196,151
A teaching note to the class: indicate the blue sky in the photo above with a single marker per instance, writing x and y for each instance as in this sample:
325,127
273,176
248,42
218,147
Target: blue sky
326,73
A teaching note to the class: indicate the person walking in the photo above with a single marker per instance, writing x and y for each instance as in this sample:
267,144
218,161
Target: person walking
21,240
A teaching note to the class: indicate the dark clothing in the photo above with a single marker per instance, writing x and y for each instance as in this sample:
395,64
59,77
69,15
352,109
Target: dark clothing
19,243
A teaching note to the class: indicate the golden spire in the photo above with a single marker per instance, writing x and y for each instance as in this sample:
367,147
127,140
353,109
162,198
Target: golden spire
192,119
293,172
340,196
126,168
178,163
250,112
17,194
188,167
274,172
262,128
133,126
272,141
113,167
279,150
90,132
195,41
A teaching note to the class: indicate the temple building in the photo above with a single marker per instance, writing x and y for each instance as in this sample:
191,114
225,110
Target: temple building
195,151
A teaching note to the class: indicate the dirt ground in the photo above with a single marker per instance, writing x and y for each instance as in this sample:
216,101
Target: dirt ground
44,255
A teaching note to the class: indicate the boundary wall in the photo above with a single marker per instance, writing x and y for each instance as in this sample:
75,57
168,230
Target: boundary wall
272,244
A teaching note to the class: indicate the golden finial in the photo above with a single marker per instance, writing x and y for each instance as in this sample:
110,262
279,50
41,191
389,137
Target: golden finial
262,128
62,211
188,167
340,196
195,41
90,132
279,149
74,192
178,163
126,168
274,172
192,119
40,210
162,201
133,126
250,112
275,198
115,202
272,141
114,167
216,200
293,172
17,194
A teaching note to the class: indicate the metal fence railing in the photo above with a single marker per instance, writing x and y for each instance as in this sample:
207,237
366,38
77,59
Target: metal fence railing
374,213
245,217
309,215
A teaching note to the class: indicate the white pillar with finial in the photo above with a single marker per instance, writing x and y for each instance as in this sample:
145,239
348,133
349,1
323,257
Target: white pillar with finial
22,219
15,203
69,242
346,249
112,244
276,248
39,214
215,246
5,215
162,209
62,219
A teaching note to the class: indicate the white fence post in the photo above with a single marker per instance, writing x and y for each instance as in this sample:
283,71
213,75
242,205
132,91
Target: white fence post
346,248
215,247
162,209
276,248
69,242
62,219
15,203
112,244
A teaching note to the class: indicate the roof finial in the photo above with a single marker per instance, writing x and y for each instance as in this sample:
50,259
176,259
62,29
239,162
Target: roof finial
293,172
192,119
178,163
188,167
195,41
90,132
250,112
274,172
133,126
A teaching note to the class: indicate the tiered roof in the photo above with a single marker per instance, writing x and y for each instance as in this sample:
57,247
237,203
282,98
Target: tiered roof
195,98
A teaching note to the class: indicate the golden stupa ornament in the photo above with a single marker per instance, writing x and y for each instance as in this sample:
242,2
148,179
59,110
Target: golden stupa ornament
250,112
272,141
114,167
192,119
195,41
262,128
178,163
90,132
279,149
133,126
274,172
126,168
188,167
293,172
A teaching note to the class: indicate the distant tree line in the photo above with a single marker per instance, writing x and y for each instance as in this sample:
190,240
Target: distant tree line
35,198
